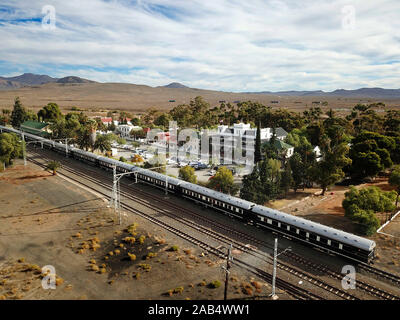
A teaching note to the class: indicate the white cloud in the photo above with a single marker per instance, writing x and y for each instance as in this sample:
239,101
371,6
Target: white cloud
214,44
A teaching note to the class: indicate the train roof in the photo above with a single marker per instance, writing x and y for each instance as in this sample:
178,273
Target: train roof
218,195
160,176
338,235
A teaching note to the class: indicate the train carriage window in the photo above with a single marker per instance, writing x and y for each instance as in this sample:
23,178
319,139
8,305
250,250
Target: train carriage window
340,246
279,224
288,228
329,242
318,238
323,240
307,235
335,244
261,218
269,221
298,231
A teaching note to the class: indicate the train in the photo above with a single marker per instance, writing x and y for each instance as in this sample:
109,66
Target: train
310,233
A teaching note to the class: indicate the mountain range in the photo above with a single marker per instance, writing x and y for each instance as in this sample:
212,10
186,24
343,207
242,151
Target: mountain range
30,79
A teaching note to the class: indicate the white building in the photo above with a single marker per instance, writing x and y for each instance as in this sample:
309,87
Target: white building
242,136
125,129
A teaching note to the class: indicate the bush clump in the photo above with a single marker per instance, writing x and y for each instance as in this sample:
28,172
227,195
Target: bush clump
174,248
132,256
362,205
215,284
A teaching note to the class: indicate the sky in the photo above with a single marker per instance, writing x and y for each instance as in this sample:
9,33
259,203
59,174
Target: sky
229,45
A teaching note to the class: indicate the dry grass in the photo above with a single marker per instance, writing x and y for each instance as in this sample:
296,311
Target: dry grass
96,98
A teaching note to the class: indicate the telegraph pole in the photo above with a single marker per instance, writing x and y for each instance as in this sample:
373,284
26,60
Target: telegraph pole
273,295
23,147
228,266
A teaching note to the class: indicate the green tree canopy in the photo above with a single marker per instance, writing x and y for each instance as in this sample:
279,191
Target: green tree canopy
394,180
361,205
103,143
50,113
223,181
187,173
10,148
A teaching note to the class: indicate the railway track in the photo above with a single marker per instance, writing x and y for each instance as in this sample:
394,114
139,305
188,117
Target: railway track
239,245
381,273
293,290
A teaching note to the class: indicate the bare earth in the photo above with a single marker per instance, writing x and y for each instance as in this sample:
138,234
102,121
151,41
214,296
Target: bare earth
46,220
99,97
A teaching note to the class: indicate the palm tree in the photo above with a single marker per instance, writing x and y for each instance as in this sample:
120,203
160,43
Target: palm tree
103,143
53,165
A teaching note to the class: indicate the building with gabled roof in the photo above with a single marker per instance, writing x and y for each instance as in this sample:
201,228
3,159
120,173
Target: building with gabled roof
35,127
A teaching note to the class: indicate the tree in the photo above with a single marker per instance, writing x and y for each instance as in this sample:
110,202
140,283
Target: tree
187,174
137,158
103,143
223,181
394,180
362,205
50,113
19,114
371,153
163,120
286,179
137,134
298,171
330,169
10,148
264,183
53,166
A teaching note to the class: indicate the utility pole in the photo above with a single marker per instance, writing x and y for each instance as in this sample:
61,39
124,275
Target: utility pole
228,266
273,295
114,195
23,147
66,147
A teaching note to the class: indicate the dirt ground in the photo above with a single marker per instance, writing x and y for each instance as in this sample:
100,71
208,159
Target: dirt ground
97,98
48,221
328,210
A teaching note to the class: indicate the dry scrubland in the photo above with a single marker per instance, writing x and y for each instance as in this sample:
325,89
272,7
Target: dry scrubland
97,97
46,220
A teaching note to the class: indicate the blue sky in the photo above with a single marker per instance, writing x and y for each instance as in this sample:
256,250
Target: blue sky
255,45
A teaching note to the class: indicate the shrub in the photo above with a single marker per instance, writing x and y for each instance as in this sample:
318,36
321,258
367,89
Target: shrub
141,239
361,206
130,240
151,255
174,248
178,290
132,256
95,268
215,284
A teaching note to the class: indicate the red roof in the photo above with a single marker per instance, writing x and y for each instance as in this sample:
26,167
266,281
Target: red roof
106,120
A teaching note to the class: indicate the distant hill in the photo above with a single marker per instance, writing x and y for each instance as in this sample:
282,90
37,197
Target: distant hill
175,85
7,84
30,79
374,93
72,79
